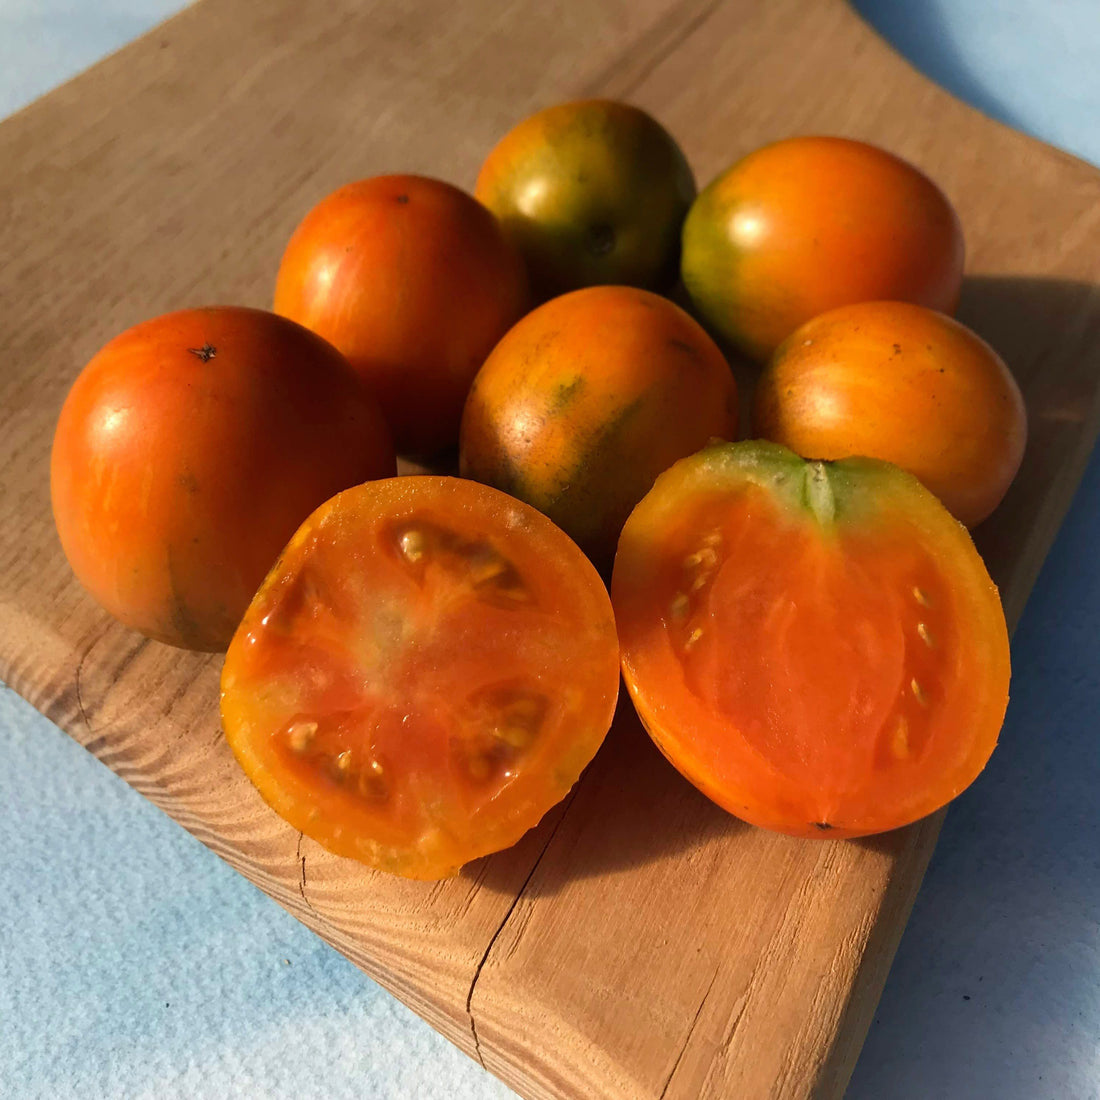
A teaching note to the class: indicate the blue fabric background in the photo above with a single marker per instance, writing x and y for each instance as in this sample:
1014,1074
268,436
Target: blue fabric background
134,963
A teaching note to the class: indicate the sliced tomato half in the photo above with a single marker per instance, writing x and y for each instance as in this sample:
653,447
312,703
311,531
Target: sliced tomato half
817,646
424,673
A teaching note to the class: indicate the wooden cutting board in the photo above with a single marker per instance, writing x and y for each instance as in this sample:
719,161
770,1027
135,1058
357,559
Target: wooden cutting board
640,943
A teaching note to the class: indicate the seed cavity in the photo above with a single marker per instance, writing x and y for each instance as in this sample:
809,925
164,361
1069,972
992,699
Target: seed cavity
474,562
918,692
926,635
480,766
300,735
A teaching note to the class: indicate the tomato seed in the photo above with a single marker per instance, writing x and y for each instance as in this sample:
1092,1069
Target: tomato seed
705,557
918,692
300,735
921,597
516,736
899,742
412,544
926,635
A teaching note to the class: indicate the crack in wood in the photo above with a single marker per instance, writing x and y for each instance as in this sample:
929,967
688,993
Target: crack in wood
691,1030
507,916
302,878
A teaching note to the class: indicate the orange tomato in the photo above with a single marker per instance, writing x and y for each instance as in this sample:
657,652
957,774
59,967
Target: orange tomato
807,224
414,282
592,193
816,646
587,400
187,453
905,384
423,675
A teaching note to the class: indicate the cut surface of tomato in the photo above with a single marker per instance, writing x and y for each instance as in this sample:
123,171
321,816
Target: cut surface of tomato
424,673
817,646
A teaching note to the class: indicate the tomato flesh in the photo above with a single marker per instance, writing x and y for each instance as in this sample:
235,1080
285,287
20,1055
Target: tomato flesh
423,675
822,665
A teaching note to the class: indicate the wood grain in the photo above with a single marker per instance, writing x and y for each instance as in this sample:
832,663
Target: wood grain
639,943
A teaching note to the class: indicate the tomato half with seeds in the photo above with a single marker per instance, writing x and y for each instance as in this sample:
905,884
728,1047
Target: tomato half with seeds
425,672
816,646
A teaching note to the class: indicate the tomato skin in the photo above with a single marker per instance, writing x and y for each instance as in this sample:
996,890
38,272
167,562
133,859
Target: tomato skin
413,280
908,385
816,646
804,225
187,452
587,400
592,193
425,672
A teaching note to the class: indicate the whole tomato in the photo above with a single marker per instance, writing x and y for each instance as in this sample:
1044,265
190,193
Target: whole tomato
592,192
587,400
413,280
187,453
894,381
811,223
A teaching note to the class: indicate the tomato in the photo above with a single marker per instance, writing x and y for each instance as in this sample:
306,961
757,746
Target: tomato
423,675
905,384
587,400
414,282
592,192
807,224
187,453
816,646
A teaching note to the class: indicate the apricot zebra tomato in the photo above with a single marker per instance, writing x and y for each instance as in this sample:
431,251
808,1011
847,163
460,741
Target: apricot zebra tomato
188,451
587,400
908,385
811,223
413,280
424,673
592,193
816,646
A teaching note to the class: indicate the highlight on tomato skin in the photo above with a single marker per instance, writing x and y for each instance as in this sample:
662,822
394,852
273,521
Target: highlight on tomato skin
816,646
424,674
